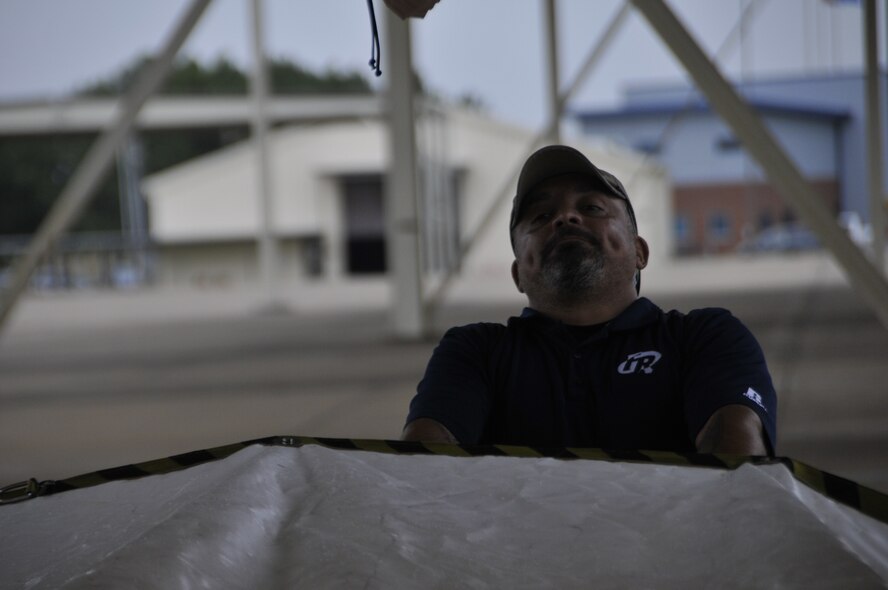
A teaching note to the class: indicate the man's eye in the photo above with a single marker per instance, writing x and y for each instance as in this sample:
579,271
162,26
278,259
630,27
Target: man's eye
544,216
594,208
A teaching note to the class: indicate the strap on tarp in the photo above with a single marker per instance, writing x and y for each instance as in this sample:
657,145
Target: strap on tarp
864,499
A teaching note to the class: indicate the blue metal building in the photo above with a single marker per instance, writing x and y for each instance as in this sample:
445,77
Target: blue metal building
721,198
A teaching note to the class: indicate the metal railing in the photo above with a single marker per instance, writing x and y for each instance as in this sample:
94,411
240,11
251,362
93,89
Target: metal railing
83,260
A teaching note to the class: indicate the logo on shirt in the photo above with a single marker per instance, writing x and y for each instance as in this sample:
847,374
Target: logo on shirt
754,396
640,362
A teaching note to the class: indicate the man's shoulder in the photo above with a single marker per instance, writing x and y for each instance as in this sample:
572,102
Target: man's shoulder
478,333
710,329
700,314
696,324
703,318
477,341
494,336
477,328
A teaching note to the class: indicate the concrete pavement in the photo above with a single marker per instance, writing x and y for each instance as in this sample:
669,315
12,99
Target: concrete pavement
94,380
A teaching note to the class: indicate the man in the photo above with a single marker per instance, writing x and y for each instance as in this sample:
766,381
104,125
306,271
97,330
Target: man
590,363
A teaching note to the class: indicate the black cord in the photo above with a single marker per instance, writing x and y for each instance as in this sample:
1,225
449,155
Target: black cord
375,52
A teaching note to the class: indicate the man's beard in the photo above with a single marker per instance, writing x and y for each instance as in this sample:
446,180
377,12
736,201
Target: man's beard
571,272
573,267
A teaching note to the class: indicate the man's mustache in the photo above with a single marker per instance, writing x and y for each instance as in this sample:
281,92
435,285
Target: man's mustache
564,233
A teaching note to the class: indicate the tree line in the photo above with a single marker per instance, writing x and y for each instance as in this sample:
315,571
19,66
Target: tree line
34,169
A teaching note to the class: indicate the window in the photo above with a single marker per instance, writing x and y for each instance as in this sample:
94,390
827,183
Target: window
439,216
650,147
682,229
727,143
718,226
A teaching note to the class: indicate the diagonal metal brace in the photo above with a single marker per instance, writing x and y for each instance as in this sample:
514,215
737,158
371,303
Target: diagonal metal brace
778,167
82,186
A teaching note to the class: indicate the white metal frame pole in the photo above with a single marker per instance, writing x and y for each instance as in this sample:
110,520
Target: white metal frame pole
268,252
556,106
81,187
402,224
777,165
874,132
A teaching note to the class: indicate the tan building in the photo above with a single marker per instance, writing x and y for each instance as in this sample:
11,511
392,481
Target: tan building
328,199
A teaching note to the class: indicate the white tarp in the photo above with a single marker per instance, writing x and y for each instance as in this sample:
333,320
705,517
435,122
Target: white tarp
273,517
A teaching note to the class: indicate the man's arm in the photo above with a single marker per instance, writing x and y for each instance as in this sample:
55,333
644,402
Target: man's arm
427,430
732,429
455,389
730,402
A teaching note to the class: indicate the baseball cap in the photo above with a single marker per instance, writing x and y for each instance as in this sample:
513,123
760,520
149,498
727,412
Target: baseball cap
555,160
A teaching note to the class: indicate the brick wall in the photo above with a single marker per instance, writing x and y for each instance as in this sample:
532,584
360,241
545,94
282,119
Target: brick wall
745,208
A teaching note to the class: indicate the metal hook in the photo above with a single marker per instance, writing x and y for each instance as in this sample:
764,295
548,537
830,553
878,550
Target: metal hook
375,52
18,492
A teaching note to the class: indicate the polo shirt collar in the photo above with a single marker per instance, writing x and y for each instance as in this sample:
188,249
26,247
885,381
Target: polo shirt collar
642,311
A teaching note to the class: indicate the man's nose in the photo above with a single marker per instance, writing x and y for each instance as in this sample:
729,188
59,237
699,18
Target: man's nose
567,216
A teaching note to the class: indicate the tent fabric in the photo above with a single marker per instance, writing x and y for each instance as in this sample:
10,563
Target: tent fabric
273,517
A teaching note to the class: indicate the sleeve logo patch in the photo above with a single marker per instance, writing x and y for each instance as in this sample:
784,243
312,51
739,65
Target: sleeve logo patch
754,396
639,362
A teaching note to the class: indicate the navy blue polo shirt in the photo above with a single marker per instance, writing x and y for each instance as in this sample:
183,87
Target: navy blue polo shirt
648,379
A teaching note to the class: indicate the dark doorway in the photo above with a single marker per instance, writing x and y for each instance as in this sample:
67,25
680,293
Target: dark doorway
364,225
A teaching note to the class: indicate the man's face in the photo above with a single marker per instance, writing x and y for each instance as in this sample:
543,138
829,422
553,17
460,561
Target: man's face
574,241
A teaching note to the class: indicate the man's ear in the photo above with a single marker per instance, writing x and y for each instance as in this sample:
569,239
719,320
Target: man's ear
515,276
642,252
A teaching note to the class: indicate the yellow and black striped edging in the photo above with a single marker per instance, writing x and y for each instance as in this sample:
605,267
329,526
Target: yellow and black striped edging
864,499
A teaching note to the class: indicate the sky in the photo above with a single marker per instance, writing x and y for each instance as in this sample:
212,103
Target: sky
489,49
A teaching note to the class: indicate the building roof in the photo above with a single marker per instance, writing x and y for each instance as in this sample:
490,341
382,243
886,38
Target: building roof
791,78
91,115
697,105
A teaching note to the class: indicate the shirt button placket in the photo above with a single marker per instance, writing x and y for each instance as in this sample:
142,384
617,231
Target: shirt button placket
576,369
